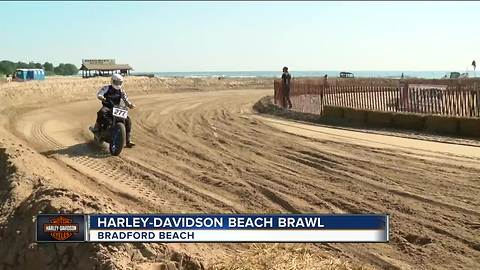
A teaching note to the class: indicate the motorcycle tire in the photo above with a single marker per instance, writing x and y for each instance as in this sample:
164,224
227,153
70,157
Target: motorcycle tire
118,140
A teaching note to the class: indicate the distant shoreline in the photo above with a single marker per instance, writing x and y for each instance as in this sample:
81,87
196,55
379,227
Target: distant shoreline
296,74
301,74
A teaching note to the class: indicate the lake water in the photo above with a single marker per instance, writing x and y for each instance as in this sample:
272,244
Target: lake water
330,73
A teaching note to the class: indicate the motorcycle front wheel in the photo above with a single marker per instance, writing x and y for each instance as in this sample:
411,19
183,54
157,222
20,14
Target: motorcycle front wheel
119,136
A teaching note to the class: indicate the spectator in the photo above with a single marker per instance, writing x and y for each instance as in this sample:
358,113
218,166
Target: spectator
286,77
325,86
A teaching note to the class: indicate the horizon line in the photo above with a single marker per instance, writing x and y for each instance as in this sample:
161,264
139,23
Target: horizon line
299,70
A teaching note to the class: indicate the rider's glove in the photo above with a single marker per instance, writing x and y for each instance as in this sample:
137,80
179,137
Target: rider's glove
132,106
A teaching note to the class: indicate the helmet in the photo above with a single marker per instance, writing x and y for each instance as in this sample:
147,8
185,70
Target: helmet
117,81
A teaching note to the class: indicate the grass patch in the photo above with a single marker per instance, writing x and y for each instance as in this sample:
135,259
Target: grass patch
379,119
469,127
332,112
441,124
355,116
266,106
408,121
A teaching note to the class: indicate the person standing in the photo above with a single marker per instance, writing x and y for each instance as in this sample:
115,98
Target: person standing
324,87
286,77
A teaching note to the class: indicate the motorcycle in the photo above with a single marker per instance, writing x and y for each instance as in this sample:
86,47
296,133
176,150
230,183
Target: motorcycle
113,131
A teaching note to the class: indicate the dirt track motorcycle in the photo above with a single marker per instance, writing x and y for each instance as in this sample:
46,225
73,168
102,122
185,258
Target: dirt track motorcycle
113,130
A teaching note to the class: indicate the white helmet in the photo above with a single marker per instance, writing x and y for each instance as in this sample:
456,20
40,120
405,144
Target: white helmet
117,81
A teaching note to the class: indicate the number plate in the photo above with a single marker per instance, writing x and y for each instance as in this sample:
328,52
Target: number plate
120,113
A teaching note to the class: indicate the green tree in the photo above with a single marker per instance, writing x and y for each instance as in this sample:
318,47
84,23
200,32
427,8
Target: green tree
48,67
7,67
32,64
59,70
70,69
22,65
65,69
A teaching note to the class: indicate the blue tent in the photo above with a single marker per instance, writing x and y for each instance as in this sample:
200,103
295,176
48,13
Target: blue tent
25,74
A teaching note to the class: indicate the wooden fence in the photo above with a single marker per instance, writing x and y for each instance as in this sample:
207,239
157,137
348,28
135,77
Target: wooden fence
439,97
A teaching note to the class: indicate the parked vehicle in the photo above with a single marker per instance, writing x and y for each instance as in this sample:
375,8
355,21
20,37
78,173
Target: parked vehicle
346,75
456,75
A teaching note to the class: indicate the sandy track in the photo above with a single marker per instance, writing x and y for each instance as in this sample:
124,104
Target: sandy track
208,152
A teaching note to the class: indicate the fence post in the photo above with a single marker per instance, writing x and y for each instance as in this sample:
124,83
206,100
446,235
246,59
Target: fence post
322,94
275,92
477,99
404,94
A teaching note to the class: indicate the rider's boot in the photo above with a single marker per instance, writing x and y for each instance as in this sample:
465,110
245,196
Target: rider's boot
130,144
96,128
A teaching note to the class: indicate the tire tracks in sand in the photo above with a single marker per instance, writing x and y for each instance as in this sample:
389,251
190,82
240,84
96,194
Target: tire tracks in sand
90,164
206,152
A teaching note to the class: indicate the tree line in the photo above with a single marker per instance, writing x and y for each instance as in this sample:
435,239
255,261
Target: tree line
9,67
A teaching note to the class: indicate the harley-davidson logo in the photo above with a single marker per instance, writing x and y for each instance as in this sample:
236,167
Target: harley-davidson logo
61,228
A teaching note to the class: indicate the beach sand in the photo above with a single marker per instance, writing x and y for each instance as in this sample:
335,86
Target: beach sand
202,148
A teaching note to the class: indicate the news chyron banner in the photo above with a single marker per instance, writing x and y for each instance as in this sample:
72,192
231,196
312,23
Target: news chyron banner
192,228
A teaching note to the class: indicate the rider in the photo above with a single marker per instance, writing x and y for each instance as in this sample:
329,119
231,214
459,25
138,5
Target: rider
111,95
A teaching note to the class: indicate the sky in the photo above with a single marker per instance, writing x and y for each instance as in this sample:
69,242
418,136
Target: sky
243,36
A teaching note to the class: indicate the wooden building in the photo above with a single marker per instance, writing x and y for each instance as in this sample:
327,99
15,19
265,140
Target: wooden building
103,67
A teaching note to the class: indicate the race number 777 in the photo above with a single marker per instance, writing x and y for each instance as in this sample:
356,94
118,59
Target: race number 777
120,113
